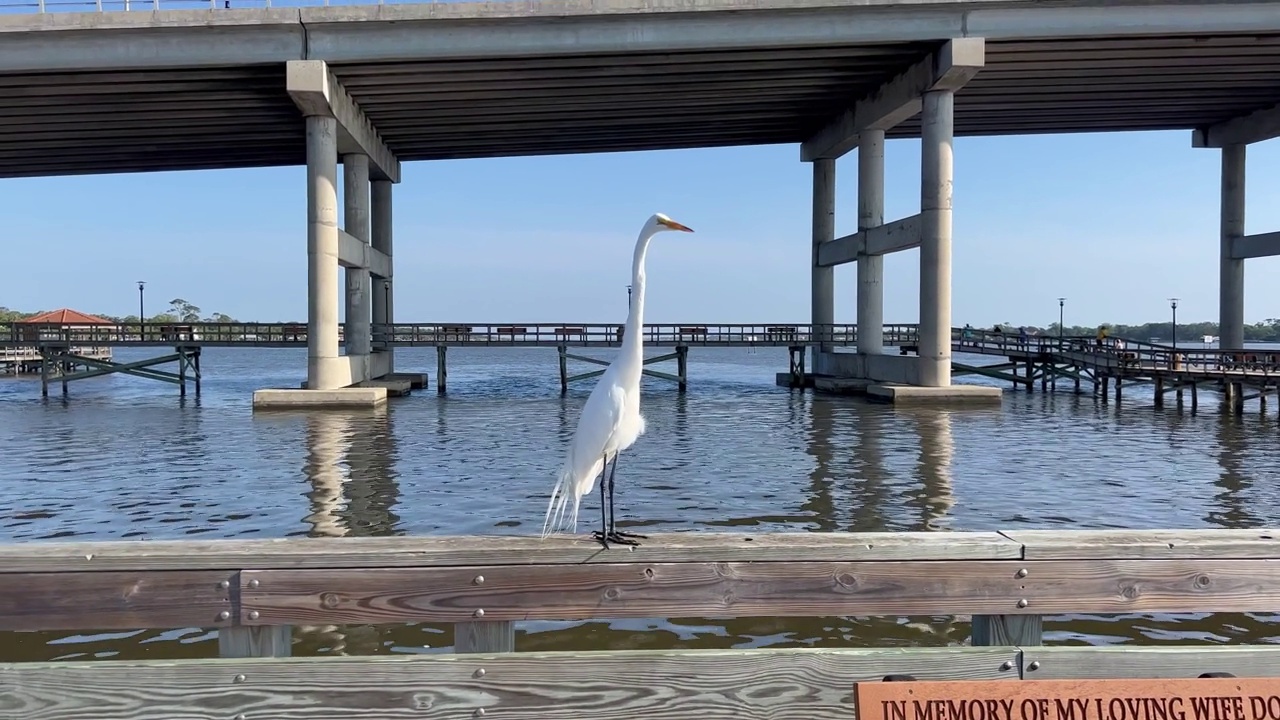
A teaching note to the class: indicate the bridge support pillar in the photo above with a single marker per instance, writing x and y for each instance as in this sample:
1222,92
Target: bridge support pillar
337,128
383,290
822,286
926,87
1231,268
359,288
870,326
935,238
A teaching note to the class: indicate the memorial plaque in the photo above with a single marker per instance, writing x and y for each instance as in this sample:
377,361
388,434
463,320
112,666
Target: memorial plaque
1146,699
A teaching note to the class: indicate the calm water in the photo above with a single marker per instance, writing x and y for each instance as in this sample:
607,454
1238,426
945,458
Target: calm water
125,458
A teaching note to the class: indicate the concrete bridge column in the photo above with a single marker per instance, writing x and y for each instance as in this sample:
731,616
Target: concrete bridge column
383,290
337,127
824,230
870,267
322,253
1231,268
355,221
935,238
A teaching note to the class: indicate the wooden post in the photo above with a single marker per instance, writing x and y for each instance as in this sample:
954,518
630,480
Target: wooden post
441,368
1159,391
1237,397
255,641
1195,399
197,369
1077,378
44,372
1117,388
564,369
682,366
182,371
493,636
1106,387
1007,630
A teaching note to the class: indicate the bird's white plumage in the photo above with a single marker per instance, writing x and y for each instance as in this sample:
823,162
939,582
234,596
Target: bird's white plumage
611,421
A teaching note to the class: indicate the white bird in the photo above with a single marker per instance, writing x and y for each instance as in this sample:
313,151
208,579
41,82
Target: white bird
611,420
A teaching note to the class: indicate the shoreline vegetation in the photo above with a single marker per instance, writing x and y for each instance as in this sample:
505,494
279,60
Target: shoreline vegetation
1266,331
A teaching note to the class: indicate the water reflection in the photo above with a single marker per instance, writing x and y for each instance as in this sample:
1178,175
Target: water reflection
734,452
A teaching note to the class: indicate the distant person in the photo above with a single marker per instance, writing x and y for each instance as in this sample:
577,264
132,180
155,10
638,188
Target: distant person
966,335
1103,332
1022,334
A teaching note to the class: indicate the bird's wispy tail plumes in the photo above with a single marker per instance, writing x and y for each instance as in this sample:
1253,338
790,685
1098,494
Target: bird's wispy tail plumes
570,487
556,506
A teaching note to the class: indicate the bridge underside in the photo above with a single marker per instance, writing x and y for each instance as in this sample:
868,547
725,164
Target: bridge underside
221,117
259,108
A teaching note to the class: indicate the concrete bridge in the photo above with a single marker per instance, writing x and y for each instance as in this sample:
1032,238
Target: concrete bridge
371,86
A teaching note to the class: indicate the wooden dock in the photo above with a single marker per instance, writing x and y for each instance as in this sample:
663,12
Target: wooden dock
253,591
20,360
1112,364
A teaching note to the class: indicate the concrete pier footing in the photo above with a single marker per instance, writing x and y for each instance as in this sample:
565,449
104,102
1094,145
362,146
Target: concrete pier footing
336,398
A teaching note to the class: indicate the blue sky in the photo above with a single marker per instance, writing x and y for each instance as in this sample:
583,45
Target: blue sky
1117,223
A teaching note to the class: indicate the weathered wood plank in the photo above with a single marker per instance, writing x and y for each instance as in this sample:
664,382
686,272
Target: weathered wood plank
1137,661
764,684
498,550
1155,544
574,592
115,600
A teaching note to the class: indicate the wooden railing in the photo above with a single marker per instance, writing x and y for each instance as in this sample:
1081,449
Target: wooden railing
251,591
466,334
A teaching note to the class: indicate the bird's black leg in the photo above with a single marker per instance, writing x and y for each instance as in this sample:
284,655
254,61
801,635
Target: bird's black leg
602,535
614,535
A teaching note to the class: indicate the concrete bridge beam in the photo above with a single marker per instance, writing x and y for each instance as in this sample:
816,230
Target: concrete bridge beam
950,68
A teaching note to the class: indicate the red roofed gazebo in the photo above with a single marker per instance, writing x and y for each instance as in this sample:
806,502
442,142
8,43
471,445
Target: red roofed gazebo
64,318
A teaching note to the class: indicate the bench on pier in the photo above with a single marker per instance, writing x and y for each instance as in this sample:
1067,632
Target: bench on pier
512,330
564,333
782,332
174,333
694,332
452,332
293,333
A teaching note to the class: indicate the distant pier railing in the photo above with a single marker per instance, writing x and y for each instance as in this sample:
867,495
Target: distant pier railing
450,334
1121,355
254,591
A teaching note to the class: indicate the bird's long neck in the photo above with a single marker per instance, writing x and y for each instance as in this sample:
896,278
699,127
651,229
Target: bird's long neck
632,342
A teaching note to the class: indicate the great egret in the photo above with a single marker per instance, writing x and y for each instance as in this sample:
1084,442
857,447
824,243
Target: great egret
611,420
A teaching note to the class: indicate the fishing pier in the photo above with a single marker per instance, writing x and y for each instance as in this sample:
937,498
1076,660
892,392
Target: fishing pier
85,88
262,596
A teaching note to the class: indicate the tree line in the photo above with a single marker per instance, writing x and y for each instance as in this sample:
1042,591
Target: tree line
179,311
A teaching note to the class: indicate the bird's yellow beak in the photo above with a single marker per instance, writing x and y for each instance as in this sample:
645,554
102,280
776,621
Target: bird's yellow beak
675,225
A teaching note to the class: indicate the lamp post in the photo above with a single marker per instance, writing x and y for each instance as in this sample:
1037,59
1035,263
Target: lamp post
628,297
142,316
1061,302
1173,305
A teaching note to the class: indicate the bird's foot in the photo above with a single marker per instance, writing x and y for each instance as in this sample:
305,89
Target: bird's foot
615,537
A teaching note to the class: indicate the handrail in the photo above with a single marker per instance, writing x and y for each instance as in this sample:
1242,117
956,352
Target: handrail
229,583
508,333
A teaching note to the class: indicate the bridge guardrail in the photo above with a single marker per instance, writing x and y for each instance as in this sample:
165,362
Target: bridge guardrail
38,7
